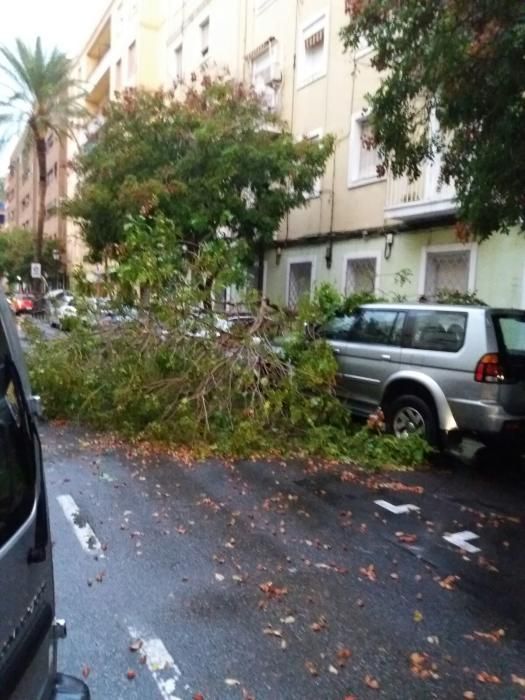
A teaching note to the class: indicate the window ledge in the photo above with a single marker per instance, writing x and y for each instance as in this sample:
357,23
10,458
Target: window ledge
364,181
310,79
263,6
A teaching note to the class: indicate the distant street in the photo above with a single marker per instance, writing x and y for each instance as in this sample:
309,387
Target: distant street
271,582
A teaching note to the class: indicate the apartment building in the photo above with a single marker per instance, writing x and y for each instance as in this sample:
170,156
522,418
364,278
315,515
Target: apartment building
359,231
122,51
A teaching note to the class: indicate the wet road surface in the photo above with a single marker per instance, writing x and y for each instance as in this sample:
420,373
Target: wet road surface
275,581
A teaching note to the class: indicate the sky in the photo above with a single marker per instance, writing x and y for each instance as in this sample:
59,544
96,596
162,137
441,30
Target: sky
65,24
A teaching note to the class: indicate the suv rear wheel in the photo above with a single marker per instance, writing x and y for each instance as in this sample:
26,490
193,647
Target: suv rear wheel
409,414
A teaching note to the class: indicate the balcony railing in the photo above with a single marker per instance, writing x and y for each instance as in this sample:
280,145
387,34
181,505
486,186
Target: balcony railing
423,198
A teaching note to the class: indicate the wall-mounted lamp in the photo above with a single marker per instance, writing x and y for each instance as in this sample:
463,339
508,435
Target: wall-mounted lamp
389,244
278,254
329,254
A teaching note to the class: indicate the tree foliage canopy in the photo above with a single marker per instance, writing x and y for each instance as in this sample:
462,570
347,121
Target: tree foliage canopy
42,98
464,61
17,254
214,163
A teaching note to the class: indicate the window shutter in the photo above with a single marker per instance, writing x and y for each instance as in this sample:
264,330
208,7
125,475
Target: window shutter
314,40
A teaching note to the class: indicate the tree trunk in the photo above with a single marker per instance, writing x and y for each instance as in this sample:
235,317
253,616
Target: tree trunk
42,190
260,269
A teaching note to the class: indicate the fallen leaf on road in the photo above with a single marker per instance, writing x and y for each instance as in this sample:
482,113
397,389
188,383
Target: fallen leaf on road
289,620
232,682
100,576
371,682
311,668
418,616
369,572
449,582
406,539
273,632
198,696
272,591
422,667
518,680
484,677
219,577
332,669
86,670
135,645
343,654
495,636
321,624
469,695
131,674
394,576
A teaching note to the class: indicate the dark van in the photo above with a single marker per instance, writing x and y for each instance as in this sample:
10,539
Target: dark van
28,628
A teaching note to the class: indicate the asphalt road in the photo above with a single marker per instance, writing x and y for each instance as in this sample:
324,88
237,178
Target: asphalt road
277,582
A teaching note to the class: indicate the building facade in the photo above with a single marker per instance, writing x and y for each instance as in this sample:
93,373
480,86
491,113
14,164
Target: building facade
359,231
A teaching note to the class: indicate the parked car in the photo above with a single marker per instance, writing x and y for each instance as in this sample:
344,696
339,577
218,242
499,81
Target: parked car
22,304
437,370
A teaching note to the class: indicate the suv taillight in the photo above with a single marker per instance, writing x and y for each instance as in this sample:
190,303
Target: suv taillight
489,369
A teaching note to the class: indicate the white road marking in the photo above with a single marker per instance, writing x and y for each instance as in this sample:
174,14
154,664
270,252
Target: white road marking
81,528
461,540
159,661
397,510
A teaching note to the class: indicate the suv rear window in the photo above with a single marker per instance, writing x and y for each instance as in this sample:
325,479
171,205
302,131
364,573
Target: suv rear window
512,331
443,331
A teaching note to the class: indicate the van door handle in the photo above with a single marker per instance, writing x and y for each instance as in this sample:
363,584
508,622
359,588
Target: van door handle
386,356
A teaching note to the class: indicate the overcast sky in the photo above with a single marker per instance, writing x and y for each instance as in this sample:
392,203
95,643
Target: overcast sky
62,23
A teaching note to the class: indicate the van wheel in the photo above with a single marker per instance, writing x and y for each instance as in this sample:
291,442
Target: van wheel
409,415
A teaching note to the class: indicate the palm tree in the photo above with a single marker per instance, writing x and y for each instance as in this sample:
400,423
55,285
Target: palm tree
44,98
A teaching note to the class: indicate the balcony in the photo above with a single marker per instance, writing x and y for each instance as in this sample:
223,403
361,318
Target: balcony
99,47
424,198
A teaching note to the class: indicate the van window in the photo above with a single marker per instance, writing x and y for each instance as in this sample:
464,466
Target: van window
443,331
17,474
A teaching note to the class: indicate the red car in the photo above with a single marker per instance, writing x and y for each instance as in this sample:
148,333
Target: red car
22,304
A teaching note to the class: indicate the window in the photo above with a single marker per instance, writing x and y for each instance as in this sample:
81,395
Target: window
312,52
178,62
205,37
446,271
338,328
443,331
300,275
512,330
374,326
314,136
364,158
132,61
360,275
118,75
17,468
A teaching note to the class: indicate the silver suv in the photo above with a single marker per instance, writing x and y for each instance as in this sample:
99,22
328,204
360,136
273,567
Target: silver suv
434,369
